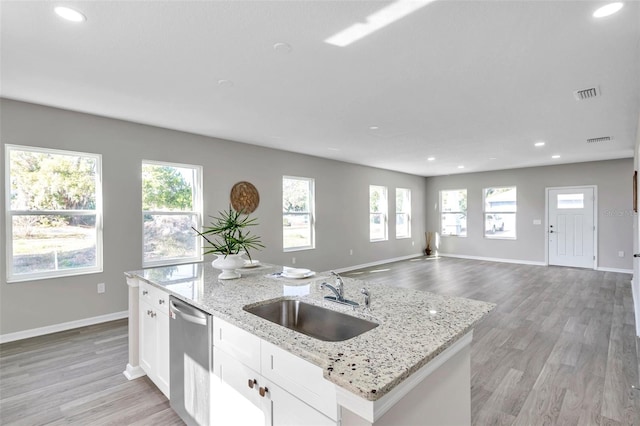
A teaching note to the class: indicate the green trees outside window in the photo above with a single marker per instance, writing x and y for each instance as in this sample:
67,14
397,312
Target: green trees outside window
54,213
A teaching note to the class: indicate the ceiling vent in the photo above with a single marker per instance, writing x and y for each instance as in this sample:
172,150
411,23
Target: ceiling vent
602,139
588,93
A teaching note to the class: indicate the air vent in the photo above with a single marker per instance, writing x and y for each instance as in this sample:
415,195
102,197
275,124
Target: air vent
602,139
585,94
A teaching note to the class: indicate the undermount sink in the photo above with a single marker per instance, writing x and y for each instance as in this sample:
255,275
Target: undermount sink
314,321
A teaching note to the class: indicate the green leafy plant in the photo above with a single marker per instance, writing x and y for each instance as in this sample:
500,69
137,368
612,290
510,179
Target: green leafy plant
228,234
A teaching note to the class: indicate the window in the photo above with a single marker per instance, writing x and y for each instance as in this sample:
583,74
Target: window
298,212
570,201
377,213
403,213
453,210
500,212
171,206
54,213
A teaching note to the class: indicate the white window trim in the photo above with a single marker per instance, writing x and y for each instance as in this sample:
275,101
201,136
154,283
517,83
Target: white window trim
453,212
408,213
311,213
384,213
198,212
485,213
11,278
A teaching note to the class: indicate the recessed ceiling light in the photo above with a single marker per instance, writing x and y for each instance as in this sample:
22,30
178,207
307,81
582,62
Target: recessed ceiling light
333,149
69,14
431,159
461,167
373,127
282,47
225,83
493,158
608,9
539,144
556,156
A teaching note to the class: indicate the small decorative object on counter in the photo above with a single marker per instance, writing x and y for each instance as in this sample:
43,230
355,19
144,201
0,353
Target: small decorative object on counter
228,237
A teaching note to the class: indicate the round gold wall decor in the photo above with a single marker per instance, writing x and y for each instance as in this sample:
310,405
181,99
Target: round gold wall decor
244,197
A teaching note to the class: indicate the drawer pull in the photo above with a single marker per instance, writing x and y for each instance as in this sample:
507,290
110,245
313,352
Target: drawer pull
160,301
252,383
263,390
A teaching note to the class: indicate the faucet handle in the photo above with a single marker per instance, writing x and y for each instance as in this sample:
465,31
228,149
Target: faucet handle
367,298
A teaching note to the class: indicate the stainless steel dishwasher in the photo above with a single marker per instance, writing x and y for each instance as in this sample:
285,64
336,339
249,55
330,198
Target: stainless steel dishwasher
191,362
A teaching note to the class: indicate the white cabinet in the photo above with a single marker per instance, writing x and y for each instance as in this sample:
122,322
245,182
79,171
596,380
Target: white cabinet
154,335
252,377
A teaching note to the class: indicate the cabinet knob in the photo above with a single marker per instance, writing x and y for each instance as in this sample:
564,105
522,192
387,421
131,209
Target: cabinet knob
263,390
149,312
160,301
145,292
252,383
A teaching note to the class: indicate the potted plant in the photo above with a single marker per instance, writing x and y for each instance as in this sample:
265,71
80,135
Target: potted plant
228,237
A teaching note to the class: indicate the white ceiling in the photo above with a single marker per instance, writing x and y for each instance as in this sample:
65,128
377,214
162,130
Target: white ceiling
470,83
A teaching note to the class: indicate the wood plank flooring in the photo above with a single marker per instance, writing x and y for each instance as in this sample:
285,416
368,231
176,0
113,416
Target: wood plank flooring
559,349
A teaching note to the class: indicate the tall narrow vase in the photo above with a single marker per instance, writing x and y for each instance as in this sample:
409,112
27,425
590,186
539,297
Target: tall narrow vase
228,264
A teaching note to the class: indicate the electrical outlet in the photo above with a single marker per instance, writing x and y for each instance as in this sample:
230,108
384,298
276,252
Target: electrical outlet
293,260
101,288
350,252
620,253
413,243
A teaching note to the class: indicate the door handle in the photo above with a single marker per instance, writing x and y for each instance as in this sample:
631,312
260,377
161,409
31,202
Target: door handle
636,255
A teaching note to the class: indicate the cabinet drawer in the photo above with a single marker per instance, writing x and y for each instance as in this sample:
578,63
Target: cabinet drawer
240,344
156,298
299,378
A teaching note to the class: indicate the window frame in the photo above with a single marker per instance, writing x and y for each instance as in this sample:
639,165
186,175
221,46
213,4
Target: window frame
406,212
442,212
311,212
499,212
10,213
198,212
384,214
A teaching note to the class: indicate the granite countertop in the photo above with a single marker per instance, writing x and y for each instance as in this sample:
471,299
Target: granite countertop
415,326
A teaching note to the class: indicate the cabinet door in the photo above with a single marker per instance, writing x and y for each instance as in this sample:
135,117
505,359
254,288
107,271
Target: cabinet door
287,410
235,398
162,352
148,338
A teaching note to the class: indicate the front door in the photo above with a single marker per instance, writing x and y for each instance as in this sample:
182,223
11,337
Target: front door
571,226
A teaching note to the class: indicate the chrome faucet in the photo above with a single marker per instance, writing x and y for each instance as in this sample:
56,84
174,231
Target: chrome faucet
339,285
338,297
338,291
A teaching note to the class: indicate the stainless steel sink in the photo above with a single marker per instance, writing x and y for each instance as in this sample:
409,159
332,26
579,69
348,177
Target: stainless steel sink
315,321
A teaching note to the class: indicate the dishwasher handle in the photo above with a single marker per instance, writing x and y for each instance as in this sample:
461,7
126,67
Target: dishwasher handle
193,315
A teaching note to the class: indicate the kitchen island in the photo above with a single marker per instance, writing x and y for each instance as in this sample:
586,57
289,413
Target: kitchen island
412,368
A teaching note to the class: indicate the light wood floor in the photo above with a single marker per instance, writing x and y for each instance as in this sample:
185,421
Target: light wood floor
558,349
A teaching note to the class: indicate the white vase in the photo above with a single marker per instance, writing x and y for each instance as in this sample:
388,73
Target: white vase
228,264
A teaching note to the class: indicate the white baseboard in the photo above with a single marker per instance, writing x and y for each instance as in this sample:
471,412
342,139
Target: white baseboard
132,372
378,262
622,271
25,334
493,259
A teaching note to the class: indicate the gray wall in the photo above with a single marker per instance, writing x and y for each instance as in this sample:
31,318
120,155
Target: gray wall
615,221
342,206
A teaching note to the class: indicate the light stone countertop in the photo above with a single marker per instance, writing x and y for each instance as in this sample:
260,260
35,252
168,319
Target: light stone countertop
369,365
